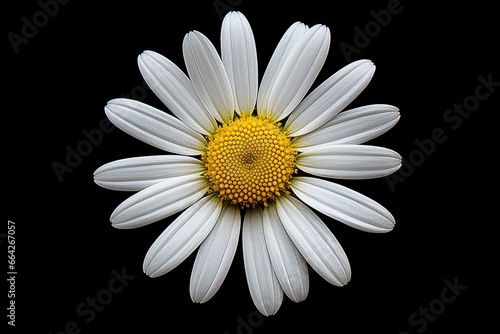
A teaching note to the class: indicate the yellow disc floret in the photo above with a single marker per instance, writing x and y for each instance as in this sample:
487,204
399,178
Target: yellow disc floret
249,161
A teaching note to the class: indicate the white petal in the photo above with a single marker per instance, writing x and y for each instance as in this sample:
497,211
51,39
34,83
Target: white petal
280,55
331,97
264,286
208,75
289,265
314,240
134,174
215,255
349,161
354,126
182,237
176,91
343,204
300,69
159,201
154,127
239,56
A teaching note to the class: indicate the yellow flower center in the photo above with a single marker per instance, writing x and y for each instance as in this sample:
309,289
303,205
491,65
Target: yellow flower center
249,161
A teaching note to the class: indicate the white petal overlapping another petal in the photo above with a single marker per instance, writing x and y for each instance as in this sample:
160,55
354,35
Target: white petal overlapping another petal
134,174
331,97
215,255
182,237
263,284
208,75
154,127
348,161
314,240
343,204
176,91
354,126
295,72
288,264
159,201
280,55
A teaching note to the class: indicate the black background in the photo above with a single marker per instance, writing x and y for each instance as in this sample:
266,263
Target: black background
429,57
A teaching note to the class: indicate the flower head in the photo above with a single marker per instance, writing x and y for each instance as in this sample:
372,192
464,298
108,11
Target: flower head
249,161
249,158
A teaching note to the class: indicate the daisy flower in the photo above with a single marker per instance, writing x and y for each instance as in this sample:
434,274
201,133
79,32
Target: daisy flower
253,160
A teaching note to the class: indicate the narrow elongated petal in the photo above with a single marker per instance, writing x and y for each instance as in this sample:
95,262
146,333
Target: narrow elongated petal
289,265
182,237
239,56
298,72
314,240
331,97
176,91
154,127
354,126
159,201
264,286
280,55
349,161
343,204
215,255
208,75
134,174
